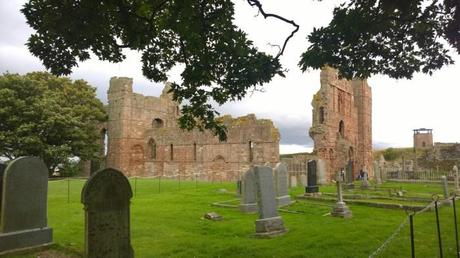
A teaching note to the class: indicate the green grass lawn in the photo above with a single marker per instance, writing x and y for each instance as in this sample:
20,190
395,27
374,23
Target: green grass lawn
168,222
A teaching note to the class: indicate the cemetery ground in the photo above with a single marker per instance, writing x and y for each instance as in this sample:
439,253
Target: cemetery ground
167,221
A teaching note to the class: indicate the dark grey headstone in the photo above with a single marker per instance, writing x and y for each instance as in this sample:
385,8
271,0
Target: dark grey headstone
269,223
2,170
281,184
349,175
23,220
106,196
249,193
312,183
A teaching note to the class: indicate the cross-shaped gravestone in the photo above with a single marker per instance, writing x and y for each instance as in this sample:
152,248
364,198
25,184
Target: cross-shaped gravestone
106,196
340,209
269,223
378,178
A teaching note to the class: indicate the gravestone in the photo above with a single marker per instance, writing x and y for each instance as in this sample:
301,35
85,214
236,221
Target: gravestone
269,223
340,209
365,182
457,188
106,197
321,171
378,178
23,215
281,185
445,189
2,170
349,175
312,186
293,181
249,197
238,188
303,179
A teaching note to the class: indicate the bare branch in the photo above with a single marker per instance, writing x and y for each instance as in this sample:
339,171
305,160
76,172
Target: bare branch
266,15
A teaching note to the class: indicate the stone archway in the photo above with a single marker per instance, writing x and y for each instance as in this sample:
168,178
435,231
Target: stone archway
218,168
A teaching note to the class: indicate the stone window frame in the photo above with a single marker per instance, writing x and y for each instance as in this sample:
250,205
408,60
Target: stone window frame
157,123
153,149
251,151
171,152
342,128
194,152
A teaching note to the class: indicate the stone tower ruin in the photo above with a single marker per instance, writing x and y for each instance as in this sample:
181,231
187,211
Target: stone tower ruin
342,124
423,138
144,139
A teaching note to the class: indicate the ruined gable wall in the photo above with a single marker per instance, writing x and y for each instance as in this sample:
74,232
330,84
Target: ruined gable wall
139,147
347,103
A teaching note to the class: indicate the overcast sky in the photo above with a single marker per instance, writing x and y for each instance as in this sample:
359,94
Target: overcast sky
398,105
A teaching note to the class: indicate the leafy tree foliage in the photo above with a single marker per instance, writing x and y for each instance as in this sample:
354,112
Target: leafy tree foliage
365,37
49,117
391,37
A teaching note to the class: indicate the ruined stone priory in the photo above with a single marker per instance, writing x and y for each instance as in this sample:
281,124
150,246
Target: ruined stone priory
342,124
144,139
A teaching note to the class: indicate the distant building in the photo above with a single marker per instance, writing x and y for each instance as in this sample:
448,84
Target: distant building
423,138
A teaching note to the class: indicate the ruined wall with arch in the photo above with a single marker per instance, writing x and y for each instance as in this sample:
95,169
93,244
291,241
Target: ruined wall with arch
145,140
342,123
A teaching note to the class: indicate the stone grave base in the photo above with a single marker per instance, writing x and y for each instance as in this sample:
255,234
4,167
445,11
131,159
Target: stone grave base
317,194
341,210
19,240
270,227
350,186
283,200
312,189
249,208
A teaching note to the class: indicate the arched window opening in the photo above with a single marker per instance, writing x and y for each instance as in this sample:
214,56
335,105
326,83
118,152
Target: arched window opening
153,149
104,141
321,115
171,149
194,151
157,123
341,128
423,144
251,150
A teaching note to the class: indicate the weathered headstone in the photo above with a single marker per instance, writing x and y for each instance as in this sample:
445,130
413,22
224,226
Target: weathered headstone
365,182
23,215
106,196
293,181
281,185
457,187
349,175
321,171
269,223
303,179
249,193
2,170
378,178
445,189
340,209
312,186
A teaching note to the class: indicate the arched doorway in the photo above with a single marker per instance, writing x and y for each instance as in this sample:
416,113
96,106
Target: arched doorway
218,169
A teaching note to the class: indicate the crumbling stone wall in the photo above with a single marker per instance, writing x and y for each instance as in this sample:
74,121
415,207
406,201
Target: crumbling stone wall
342,123
145,140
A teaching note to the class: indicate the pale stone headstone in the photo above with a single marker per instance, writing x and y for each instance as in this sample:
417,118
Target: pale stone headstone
378,178
445,188
365,183
269,223
455,170
303,179
312,186
321,171
293,181
249,197
23,215
340,209
106,196
281,185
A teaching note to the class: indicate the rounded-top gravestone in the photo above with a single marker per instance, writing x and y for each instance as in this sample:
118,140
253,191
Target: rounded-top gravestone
106,196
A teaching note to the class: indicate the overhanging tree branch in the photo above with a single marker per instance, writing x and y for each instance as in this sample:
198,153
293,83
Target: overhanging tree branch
266,15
